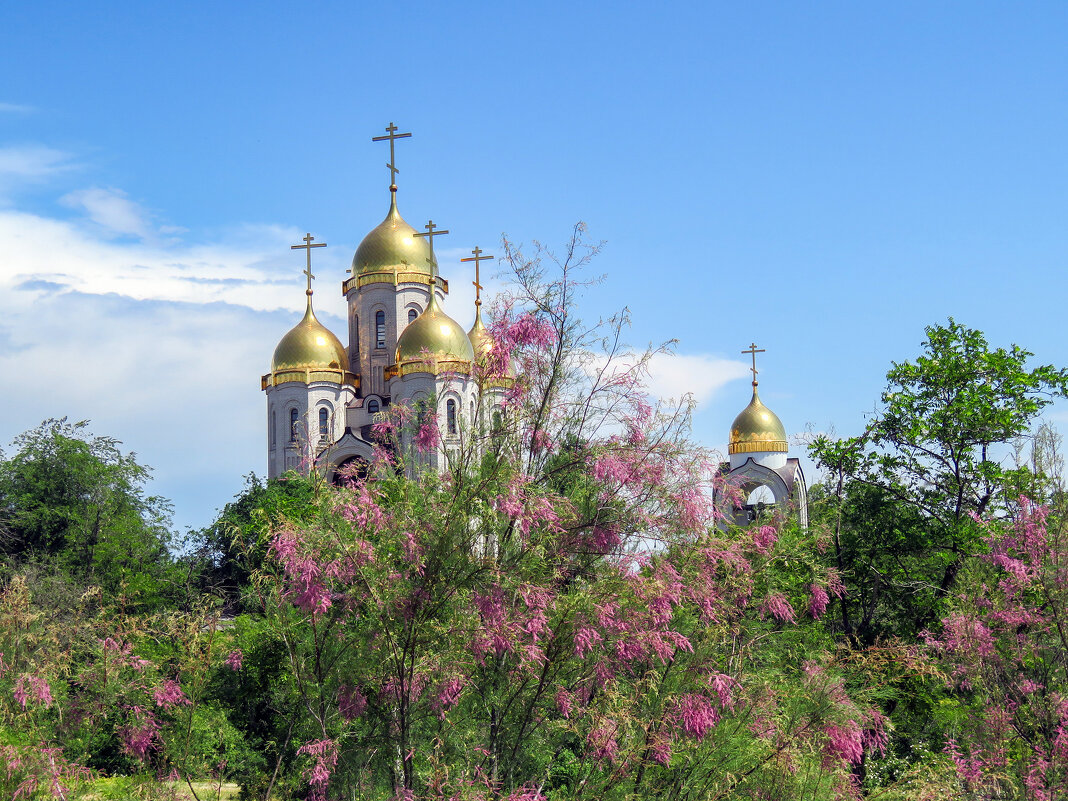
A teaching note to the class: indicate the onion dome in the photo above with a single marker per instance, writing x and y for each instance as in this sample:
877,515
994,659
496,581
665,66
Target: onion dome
392,244
434,332
481,341
757,429
309,346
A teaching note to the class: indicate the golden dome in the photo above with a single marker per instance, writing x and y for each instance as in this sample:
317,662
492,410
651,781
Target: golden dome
310,345
392,244
481,341
436,333
756,429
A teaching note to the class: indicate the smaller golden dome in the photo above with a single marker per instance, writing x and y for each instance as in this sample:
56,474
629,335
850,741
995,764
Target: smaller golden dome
309,345
392,243
757,429
436,333
481,341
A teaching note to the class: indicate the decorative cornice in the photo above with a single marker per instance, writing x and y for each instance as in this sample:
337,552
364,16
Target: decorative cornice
308,376
392,276
767,446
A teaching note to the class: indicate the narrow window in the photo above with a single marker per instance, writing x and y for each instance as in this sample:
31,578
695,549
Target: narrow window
324,422
293,425
372,406
380,329
412,314
450,415
498,424
274,432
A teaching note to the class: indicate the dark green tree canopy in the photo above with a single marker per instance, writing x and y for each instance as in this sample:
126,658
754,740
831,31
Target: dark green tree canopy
77,501
937,452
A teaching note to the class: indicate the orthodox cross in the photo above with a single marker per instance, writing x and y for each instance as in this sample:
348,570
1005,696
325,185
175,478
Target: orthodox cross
430,233
392,136
476,258
754,350
308,238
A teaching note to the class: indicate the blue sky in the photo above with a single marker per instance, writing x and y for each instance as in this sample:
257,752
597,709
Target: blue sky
823,178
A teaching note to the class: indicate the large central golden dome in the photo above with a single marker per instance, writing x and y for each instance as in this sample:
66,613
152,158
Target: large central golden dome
435,333
309,345
757,429
392,243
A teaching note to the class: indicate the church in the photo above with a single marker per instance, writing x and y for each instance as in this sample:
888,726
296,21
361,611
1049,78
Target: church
403,348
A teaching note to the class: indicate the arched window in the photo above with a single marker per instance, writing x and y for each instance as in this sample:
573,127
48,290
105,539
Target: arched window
324,422
380,329
274,428
372,406
450,415
498,423
293,416
412,314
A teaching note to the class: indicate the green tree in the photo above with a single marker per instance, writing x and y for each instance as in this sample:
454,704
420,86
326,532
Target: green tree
233,547
935,454
75,501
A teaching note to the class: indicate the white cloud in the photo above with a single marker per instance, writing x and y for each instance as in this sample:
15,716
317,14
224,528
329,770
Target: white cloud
21,164
251,267
111,210
672,375
15,108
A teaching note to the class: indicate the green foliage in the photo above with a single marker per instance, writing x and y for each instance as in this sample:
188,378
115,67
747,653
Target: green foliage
902,495
233,547
76,501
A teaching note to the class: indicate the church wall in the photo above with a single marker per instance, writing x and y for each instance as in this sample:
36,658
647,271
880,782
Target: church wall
286,452
773,460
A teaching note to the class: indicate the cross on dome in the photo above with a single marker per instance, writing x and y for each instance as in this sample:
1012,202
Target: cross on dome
430,233
476,258
392,136
307,246
753,351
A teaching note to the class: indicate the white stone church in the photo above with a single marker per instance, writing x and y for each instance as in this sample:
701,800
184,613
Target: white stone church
323,398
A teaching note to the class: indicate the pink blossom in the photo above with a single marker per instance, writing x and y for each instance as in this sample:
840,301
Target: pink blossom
140,734
448,695
235,659
696,715
844,742
564,702
764,539
427,437
29,686
318,775
724,686
351,703
170,694
585,640
777,606
602,741
817,601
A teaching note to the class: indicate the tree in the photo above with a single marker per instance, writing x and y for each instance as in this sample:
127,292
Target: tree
76,501
933,457
233,547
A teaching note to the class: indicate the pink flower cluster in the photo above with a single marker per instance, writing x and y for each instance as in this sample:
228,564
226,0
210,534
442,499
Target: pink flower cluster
29,686
351,703
140,734
170,694
235,659
325,755
304,574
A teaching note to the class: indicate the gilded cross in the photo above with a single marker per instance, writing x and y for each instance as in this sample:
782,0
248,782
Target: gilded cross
476,258
392,136
308,239
753,351
430,233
